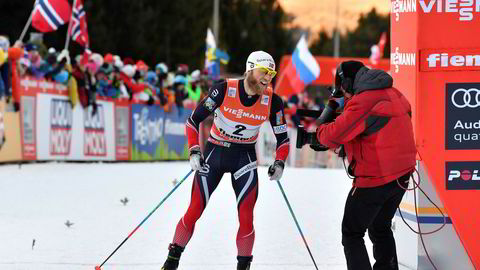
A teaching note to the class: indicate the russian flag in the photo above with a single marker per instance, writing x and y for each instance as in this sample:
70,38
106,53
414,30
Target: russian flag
303,69
48,15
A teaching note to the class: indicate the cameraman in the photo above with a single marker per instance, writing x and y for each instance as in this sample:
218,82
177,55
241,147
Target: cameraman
376,132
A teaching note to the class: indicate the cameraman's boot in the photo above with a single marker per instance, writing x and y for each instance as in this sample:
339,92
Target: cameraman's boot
174,253
244,262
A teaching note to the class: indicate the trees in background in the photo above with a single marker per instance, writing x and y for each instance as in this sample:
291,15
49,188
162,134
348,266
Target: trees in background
356,43
175,31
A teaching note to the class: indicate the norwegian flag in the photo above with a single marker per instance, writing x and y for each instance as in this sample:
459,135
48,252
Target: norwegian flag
48,15
79,31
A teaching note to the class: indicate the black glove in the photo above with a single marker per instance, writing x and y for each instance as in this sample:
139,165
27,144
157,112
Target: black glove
275,170
318,147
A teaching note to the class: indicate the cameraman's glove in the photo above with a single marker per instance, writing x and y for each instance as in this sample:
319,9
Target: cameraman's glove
275,170
319,147
196,158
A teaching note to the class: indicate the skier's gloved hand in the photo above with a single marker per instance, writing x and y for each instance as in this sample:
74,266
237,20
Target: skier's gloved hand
275,170
196,158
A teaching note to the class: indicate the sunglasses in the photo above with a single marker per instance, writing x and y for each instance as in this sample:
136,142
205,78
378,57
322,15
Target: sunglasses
266,70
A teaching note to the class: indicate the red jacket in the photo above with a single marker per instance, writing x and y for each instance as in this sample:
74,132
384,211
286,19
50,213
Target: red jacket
377,133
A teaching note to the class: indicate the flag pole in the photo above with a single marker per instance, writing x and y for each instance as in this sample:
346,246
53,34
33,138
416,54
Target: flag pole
70,26
25,28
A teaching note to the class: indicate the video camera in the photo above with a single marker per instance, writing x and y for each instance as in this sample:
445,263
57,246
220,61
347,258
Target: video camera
327,115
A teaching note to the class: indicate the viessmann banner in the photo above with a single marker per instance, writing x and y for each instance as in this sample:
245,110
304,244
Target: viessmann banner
68,133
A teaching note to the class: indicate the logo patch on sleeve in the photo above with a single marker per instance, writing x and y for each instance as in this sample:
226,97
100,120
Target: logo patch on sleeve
232,92
209,104
264,100
279,118
280,129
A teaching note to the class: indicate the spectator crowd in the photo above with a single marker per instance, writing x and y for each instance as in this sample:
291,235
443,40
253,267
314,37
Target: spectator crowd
91,75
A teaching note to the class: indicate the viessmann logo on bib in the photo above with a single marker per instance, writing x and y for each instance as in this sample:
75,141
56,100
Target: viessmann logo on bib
449,59
465,9
242,114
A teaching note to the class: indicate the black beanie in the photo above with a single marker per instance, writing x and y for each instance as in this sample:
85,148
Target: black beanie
350,69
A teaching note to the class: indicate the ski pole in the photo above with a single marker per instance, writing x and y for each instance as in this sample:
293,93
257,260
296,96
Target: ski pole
296,223
145,219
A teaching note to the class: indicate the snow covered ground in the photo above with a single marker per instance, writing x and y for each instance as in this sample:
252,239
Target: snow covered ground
36,201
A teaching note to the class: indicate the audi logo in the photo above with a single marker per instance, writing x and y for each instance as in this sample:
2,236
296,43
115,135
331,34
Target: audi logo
466,98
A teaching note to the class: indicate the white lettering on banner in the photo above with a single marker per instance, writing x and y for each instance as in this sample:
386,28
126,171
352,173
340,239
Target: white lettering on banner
464,8
94,136
28,83
403,6
95,143
402,59
445,60
60,141
147,131
46,85
464,175
240,113
174,128
61,120
465,126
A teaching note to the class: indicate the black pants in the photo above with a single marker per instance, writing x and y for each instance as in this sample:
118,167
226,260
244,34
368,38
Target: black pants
372,209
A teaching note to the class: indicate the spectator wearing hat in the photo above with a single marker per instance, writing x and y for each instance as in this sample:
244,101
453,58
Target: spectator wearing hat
161,70
180,91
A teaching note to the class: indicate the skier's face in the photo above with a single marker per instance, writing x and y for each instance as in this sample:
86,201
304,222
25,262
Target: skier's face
258,80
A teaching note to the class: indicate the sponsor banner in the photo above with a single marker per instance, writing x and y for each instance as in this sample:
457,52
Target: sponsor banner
463,175
94,143
450,60
462,121
122,132
458,10
31,85
401,58
70,133
401,7
28,130
148,142
175,136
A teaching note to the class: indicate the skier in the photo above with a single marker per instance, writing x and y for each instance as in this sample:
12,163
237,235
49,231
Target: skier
240,107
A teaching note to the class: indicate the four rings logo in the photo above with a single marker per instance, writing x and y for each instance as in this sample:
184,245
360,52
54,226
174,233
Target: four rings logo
462,175
464,8
462,120
468,98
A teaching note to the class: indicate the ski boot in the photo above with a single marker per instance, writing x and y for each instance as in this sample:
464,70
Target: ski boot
174,253
244,262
